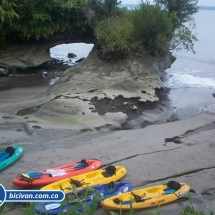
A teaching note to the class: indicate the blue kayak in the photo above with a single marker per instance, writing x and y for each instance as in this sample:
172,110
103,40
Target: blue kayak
10,155
105,191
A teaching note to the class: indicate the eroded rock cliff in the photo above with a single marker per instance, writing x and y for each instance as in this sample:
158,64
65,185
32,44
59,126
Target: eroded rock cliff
95,92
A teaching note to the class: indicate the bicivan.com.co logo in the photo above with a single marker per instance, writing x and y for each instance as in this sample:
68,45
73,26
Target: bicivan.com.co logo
30,195
2,194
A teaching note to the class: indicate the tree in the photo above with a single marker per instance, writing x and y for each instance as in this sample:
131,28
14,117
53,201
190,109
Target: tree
145,29
183,8
6,11
39,20
99,10
152,28
111,5
7,15
180,12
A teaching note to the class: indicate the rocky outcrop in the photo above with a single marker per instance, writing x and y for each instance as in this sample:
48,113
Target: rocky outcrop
94,80
24,56
80,97
71,55
3,72
20,57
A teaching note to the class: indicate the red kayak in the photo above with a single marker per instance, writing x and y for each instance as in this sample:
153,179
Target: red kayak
48,176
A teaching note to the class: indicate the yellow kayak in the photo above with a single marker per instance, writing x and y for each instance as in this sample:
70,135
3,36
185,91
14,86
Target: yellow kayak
100,176
147,197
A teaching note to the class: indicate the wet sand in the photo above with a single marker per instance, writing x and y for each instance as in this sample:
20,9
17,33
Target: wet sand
189,102
31,82
23,86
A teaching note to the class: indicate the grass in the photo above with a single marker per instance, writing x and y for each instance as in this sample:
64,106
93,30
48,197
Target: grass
80,202
189,210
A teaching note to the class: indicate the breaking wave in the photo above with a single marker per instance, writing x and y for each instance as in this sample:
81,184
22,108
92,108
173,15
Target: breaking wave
187,80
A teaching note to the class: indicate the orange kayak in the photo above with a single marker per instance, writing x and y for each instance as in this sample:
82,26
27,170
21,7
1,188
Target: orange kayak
48,176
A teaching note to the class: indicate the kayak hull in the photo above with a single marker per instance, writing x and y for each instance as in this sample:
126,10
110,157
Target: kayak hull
120,187
153,196
10,160
88,179
64,171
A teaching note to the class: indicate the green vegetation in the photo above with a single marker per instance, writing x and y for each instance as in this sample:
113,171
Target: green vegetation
146,29
114,35
181,13
184,8
39,19
2,208
189,210
152,29
78,202
7,15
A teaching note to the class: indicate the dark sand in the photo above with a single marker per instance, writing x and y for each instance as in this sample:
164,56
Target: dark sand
23,86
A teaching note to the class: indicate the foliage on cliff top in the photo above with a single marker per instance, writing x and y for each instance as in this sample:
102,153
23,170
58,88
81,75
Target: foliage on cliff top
147,28
114,36
152,29
183,23
38,19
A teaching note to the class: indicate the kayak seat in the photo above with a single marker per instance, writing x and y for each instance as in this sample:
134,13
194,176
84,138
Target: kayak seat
108,191
173,185
116,201
167,190
81,165
110,170
10,150
4,156
110,186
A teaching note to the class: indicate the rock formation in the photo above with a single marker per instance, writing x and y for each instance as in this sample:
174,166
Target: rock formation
72,99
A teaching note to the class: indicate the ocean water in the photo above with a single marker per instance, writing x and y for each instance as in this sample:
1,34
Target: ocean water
196,70
191,78
60,52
